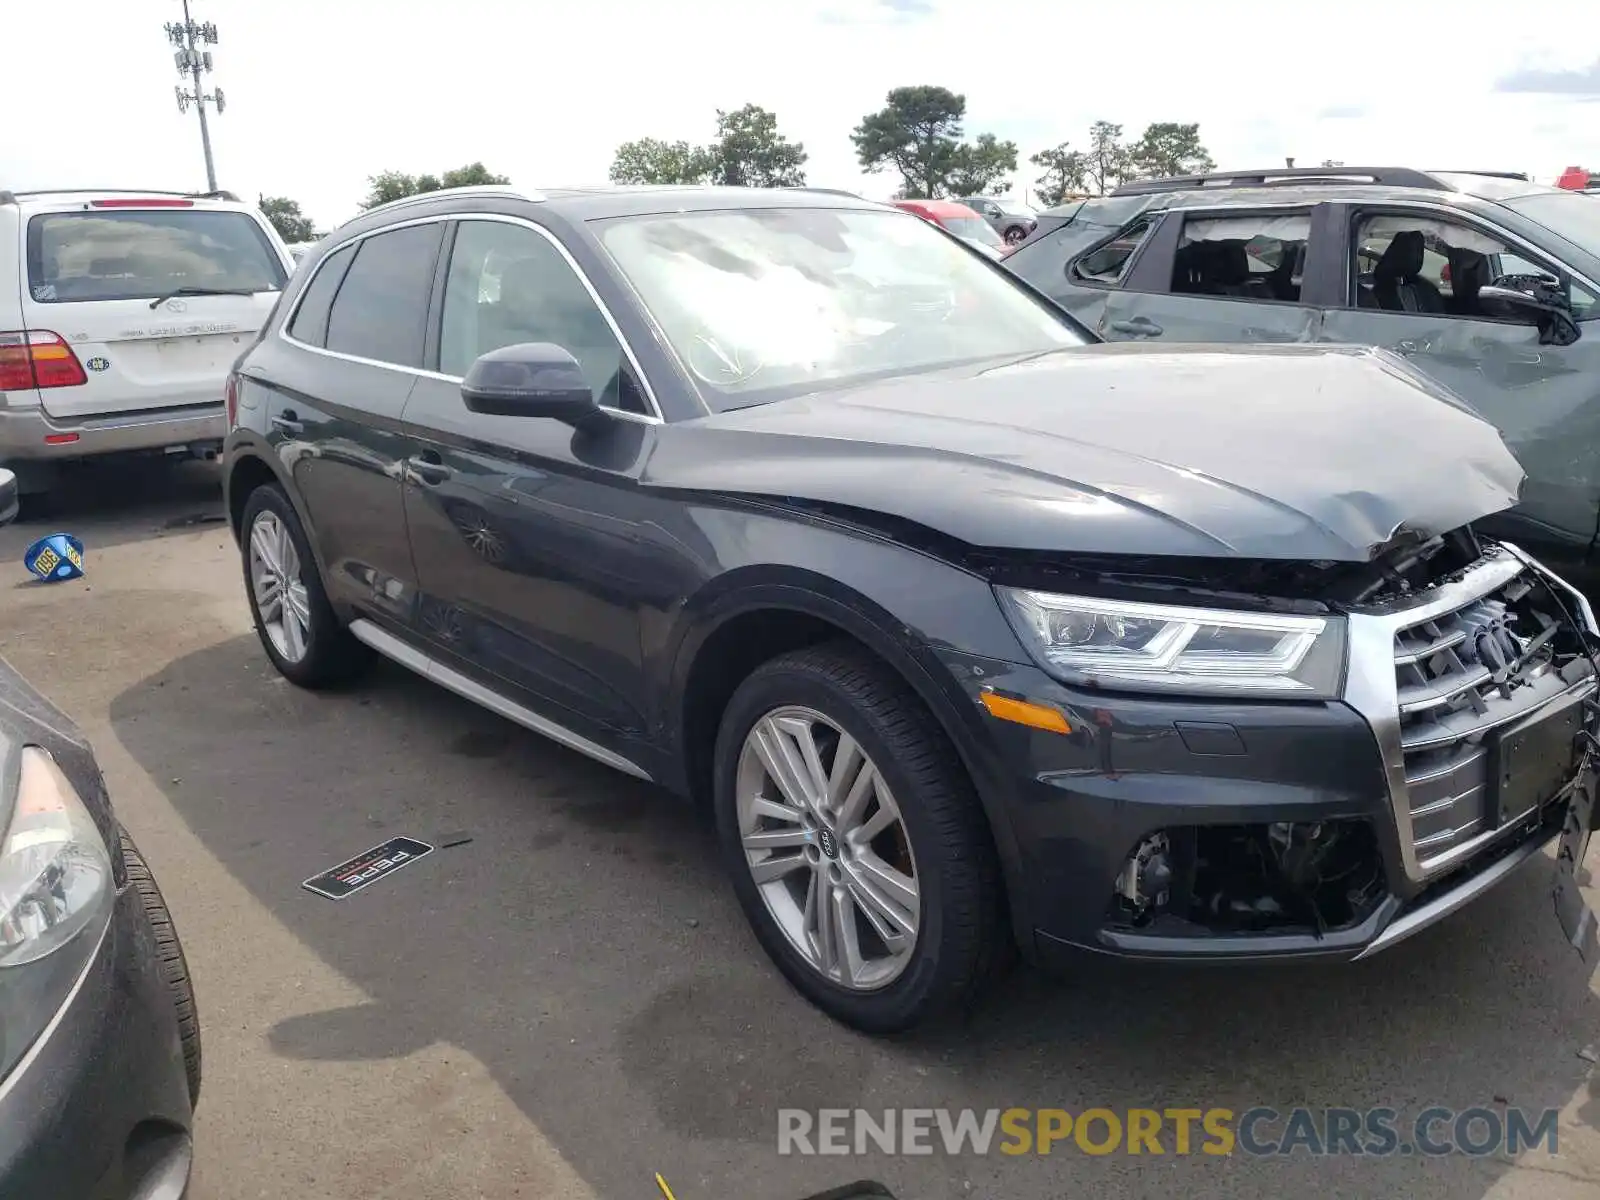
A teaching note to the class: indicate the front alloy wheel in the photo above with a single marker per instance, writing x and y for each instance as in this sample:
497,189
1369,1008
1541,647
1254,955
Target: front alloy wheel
855,841
827,847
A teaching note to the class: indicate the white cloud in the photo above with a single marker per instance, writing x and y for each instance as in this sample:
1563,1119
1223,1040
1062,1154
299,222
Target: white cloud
323,94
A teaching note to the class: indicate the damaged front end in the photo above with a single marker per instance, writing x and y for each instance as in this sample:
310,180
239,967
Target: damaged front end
1475,670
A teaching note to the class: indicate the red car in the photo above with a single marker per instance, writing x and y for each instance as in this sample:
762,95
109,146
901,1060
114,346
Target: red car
1576,179
959,220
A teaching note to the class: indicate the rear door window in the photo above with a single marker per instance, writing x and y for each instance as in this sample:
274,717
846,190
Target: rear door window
1254,256
137,254
382,305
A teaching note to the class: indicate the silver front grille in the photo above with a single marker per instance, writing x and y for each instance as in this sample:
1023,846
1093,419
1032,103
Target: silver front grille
1453,687
1434,676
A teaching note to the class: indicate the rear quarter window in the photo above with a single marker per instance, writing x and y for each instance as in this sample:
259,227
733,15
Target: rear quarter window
310,323
133,254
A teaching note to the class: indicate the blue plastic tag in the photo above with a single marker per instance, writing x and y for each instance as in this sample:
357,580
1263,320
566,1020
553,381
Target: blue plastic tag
54,558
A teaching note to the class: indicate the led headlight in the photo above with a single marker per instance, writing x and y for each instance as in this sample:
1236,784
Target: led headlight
1200,651
55,870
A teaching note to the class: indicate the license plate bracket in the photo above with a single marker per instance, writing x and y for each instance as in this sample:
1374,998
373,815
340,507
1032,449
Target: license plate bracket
1530,764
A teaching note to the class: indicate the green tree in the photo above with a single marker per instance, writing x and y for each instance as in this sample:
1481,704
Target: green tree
472,175
750,152
1169,148
396,185
1106,163
650,160
918,134
982,166
1065,172
292,224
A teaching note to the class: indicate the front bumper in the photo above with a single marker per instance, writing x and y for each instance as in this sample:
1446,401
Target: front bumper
98,1108
1078,805
32,435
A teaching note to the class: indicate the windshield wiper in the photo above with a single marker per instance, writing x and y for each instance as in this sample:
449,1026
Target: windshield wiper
199,291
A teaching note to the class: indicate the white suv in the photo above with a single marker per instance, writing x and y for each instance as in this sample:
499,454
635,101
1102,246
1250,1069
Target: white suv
120,316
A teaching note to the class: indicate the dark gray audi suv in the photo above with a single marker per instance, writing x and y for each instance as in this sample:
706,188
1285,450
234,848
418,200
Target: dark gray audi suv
974,634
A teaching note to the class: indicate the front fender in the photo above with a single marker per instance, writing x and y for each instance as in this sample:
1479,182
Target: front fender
909,608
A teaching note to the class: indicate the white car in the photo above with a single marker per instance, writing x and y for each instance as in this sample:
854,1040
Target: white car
120,316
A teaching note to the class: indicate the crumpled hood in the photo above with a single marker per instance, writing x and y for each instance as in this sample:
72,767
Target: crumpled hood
1281,452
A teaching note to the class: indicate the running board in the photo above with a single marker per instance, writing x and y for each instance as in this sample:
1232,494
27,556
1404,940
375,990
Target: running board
409,656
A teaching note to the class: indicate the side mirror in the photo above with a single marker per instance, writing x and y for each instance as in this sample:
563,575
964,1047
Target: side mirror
1544,308
10,499
531,379
1509,304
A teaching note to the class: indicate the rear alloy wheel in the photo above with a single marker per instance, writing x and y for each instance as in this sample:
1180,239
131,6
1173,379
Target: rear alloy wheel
296,624
856,844
278,586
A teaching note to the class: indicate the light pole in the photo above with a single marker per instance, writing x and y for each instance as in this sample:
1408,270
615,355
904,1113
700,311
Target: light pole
192,62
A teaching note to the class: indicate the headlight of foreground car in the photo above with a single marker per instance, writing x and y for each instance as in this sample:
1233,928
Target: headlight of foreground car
1197,651
56,896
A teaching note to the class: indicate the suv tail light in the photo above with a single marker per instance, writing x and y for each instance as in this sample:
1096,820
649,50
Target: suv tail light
230,398
37,358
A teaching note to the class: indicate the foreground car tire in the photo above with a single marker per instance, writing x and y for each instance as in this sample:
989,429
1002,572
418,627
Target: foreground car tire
174,968
293,619
855,841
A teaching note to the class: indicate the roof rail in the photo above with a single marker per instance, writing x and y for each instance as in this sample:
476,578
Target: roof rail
1288,177
805,187
472,189
1522,175
10,197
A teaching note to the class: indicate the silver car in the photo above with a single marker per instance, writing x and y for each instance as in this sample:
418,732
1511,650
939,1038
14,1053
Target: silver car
1011,220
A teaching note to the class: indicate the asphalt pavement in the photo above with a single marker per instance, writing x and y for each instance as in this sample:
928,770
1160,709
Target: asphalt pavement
568,1001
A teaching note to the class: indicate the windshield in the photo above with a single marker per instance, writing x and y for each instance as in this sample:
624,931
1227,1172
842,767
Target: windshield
761,303
974,229
1572,215
137,254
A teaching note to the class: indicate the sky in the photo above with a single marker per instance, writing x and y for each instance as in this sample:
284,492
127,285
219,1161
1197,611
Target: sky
320,96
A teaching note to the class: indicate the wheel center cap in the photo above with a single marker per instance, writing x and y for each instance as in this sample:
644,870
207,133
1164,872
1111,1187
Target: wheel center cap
829,843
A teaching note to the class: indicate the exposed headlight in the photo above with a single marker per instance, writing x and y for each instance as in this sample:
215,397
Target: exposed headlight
55,870
1200,651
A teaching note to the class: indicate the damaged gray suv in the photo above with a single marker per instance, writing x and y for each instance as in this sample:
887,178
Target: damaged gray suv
970,632
1487,283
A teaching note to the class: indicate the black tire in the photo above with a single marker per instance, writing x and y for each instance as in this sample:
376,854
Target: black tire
1015,235
961,940
173,965
333,655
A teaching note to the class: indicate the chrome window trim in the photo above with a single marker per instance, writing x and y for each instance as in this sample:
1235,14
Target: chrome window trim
653,418
1370,689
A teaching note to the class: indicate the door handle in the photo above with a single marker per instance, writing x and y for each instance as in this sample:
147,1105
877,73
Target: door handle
288,422
427,468
1137,327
